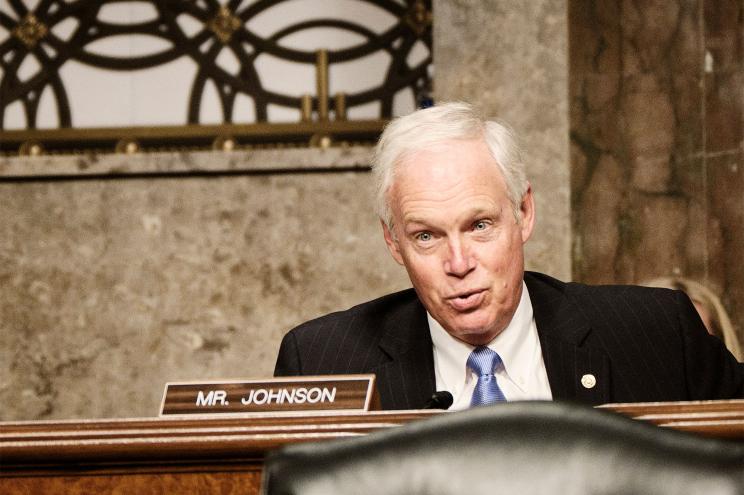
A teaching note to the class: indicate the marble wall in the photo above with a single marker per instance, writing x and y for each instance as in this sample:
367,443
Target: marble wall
113,286
657,175
511,59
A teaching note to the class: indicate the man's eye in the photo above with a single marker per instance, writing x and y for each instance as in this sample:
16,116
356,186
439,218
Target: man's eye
479,225
424,236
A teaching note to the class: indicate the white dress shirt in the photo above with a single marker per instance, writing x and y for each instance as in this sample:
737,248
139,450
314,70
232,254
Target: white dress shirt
523,376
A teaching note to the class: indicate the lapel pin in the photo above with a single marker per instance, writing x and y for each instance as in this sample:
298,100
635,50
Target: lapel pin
588,380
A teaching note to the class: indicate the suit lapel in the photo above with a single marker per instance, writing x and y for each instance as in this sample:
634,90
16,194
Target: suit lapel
407,380
576,372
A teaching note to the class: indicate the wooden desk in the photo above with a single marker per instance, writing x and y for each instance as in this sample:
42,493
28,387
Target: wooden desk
716,418
225,455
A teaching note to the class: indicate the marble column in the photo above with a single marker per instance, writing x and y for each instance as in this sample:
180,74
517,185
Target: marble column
656,143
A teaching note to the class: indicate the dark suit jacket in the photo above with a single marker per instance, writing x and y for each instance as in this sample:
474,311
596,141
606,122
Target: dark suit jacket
641,344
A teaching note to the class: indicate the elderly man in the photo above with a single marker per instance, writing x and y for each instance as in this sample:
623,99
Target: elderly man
456,210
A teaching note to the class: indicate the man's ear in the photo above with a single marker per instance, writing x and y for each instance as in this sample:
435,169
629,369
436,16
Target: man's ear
392,243
527,213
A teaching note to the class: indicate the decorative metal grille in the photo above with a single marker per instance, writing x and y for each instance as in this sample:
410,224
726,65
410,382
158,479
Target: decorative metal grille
33,34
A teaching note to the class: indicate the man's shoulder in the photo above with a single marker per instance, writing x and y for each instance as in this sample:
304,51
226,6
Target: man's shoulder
374,312
546,283
601,299
626,293
346,341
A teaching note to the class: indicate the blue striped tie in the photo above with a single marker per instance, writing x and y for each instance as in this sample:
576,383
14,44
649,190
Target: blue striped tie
484,361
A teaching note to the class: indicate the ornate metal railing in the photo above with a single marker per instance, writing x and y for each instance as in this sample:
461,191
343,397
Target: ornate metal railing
220,26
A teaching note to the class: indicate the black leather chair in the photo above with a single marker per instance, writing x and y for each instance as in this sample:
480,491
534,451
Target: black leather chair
515,448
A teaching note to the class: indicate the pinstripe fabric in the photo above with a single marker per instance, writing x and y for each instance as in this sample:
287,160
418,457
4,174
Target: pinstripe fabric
388,336
638,344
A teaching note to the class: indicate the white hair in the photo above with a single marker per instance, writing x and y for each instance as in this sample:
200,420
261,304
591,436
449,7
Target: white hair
404,136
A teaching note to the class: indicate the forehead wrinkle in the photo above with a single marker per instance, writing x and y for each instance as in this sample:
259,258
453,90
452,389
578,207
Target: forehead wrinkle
440,214
444,194
430,185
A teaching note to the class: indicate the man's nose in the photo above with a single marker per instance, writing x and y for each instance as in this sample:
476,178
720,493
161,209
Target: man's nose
459,261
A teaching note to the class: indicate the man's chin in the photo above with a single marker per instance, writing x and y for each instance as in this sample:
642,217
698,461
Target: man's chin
473,335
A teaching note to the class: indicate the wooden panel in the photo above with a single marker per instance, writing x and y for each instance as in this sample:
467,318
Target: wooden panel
227,482
225,455
723,419
181,440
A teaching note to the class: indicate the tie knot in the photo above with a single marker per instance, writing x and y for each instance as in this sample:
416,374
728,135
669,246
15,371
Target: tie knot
483,360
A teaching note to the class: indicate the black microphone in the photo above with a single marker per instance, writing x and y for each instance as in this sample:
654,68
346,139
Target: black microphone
440,400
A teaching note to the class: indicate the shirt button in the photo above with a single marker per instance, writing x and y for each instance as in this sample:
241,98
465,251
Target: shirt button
588,381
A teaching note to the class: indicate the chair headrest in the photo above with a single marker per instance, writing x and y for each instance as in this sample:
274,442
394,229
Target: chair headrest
519,447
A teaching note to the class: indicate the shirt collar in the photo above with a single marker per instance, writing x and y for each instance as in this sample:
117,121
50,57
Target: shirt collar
511,344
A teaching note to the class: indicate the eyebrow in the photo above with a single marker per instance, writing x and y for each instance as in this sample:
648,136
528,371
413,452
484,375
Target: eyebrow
471,214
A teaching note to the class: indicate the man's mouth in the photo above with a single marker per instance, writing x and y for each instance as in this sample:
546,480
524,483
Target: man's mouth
467,300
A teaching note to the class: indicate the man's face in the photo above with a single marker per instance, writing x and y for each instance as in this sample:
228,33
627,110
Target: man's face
454,231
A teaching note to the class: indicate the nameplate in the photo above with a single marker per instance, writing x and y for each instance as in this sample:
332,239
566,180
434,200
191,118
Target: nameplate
334,393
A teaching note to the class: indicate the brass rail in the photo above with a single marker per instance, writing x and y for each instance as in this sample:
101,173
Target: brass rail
222,136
